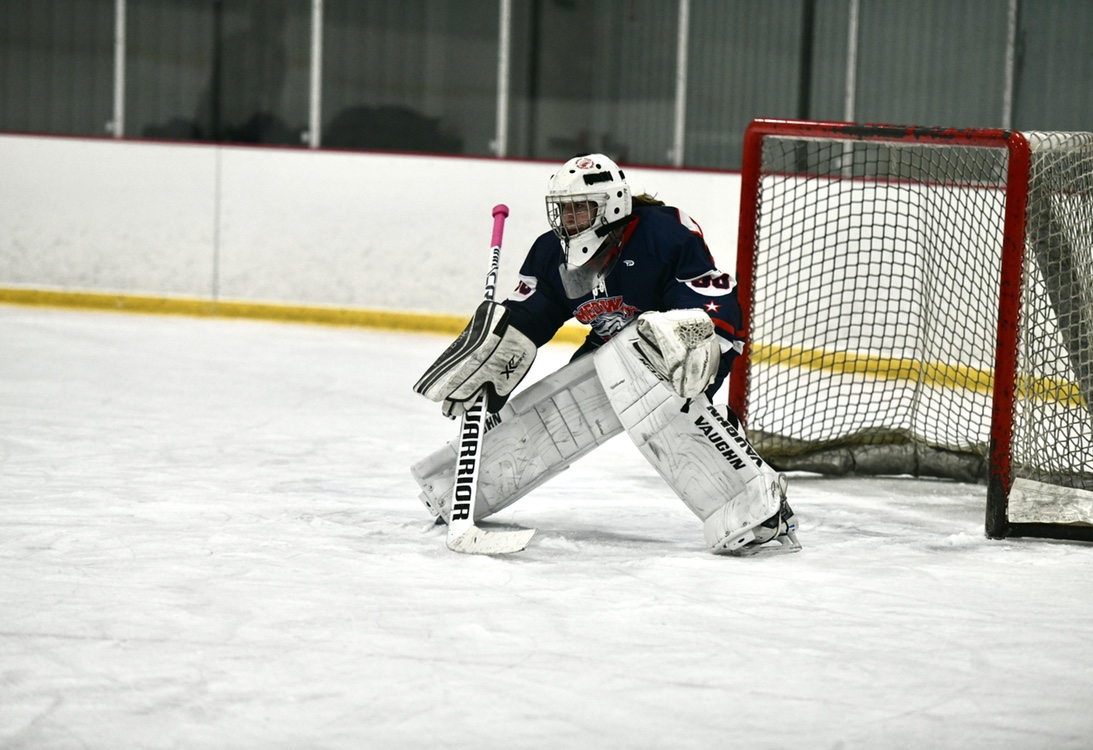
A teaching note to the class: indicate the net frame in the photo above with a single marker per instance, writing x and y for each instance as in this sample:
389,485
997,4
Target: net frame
1019,228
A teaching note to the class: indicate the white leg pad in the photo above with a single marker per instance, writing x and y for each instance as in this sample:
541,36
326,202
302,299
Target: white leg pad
703,458
537,435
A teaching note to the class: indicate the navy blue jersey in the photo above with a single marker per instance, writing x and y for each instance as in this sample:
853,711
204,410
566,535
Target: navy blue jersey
664,264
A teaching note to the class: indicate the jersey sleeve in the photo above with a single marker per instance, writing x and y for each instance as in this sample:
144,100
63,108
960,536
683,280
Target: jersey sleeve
698,283
714,292
534,307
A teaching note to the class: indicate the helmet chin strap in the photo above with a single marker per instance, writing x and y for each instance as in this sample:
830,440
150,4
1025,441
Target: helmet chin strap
610,227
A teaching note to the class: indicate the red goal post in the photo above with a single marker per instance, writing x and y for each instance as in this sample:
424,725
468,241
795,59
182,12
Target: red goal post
919,301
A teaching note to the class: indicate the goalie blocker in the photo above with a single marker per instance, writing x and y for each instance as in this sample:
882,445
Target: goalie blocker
703,457
489,354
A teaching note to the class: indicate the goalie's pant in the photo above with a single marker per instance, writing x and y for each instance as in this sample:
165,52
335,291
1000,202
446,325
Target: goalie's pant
705,459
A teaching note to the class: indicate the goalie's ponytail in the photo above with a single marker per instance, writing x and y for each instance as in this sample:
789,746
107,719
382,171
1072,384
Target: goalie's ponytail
646,200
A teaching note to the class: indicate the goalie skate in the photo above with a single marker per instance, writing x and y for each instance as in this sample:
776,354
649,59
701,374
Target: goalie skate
781,528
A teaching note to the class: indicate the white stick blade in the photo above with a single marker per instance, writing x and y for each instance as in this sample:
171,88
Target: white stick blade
476,541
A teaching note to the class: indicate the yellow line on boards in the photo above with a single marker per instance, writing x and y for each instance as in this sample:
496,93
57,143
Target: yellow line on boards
843,363
936,374
383,319
876,366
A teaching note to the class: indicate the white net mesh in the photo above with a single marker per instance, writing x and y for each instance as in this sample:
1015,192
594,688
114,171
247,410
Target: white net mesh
1053,430
875,305
875,302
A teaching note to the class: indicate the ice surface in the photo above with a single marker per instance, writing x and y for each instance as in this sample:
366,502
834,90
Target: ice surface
210,539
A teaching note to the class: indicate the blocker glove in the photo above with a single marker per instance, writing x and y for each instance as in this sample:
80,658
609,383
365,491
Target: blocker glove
488,354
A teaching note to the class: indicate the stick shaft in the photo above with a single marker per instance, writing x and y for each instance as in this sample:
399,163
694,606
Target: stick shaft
465,492
500,213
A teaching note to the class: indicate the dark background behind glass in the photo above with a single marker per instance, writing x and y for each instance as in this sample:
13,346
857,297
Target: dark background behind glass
422,75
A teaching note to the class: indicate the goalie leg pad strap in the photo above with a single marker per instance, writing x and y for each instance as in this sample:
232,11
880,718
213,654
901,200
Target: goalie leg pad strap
537,435
705,459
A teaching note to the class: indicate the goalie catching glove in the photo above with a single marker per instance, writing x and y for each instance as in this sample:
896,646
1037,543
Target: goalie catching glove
681,347
489,354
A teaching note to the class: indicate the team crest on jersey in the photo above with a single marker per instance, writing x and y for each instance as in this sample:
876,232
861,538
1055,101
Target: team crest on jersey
607,316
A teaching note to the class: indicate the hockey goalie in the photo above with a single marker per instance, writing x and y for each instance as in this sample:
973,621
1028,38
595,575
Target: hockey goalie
665,329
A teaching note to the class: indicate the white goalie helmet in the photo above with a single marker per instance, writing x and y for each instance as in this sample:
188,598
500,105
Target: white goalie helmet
586,200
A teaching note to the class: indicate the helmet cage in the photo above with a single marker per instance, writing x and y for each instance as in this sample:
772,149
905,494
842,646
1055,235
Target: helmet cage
562,211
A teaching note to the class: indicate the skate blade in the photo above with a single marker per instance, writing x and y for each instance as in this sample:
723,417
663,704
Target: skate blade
787,543
763,550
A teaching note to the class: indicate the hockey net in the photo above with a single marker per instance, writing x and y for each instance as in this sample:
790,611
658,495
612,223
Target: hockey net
920,301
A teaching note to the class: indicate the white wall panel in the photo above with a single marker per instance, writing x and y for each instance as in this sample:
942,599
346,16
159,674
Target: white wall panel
104,215
361,230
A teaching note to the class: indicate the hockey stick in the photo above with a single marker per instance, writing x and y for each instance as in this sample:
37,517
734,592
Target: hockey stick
463,535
